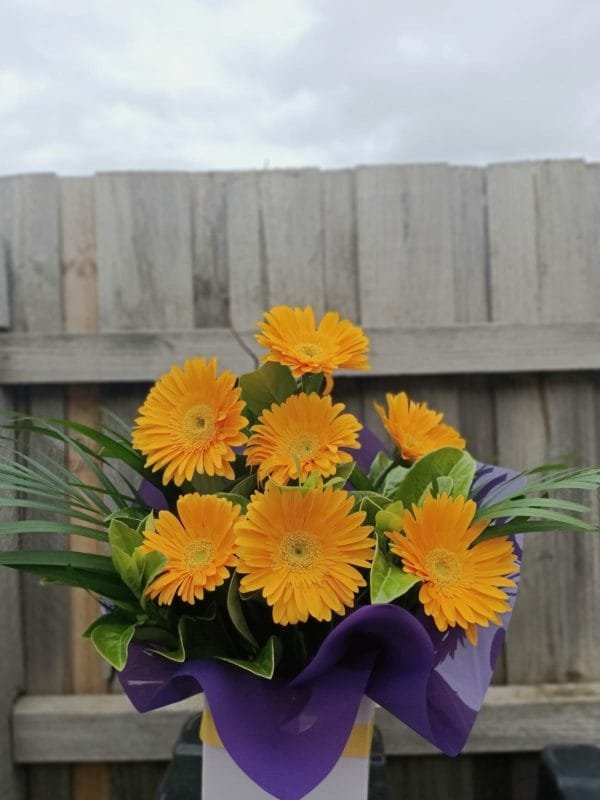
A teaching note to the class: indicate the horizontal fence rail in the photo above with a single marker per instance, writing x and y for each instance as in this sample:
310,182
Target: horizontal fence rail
88,728
29,358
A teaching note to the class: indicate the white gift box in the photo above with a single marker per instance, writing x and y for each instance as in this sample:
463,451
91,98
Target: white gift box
222,779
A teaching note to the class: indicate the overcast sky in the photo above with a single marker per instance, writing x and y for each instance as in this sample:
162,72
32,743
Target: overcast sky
89,85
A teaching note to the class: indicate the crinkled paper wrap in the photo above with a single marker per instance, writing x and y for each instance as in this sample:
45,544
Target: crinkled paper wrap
288,735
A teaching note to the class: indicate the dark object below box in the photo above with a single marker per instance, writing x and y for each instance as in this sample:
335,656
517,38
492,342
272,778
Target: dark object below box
183,777
569,773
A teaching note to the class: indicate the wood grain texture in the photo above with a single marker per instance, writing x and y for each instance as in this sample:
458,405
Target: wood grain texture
461,349
143,232
12,678
80,302
539,223
275,236
81,728
30,231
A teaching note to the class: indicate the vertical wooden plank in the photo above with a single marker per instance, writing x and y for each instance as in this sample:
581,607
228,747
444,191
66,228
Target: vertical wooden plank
275,240
146,275
544,268
210,249
144,257
12,677
78,258
145,278
4,299
340,266
420,233
29,228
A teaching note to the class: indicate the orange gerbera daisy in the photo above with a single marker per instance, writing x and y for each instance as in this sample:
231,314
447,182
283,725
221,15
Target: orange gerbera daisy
190,422
461,584
294,339
302,549
199,546
307,431
415,428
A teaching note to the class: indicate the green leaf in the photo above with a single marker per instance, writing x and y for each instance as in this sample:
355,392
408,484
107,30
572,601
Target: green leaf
313,382
208,484
57,558
236,612
380,465
388,580
245,487
359,480
128,569
390,518
525,526
264,664
103,584
124,537
111,636
447,461
393,479
51,526
271,383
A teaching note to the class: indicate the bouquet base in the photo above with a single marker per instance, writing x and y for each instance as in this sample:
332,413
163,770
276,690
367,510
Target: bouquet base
222,779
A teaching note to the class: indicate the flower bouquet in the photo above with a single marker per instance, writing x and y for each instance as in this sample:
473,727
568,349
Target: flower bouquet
276,556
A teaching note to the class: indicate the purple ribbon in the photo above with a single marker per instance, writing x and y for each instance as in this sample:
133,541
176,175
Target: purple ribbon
288,735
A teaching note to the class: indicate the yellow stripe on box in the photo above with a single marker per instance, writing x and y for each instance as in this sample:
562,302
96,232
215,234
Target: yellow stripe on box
357,746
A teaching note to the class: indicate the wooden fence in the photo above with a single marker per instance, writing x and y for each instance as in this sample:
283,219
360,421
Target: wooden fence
480,290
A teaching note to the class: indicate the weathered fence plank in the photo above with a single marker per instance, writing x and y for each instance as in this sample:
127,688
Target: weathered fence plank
12,678
78,260
30,234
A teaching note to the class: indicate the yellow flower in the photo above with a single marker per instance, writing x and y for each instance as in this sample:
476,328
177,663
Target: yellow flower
415,428
294,339
461,584
306,429
302,548
199,546
190,422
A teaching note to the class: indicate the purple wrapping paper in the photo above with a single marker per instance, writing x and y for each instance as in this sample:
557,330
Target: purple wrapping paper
288,735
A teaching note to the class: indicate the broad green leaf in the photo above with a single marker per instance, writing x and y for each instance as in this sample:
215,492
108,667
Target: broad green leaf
446,461
147,524
271,383
313,382
264,664
393,479
122,536
111,638
359,480
388,580
128,569
149,565
390,518
380,465
236,612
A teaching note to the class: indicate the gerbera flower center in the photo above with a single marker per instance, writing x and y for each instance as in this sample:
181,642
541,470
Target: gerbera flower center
199,423
443,566
304,445
299,550
197,553
310,350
